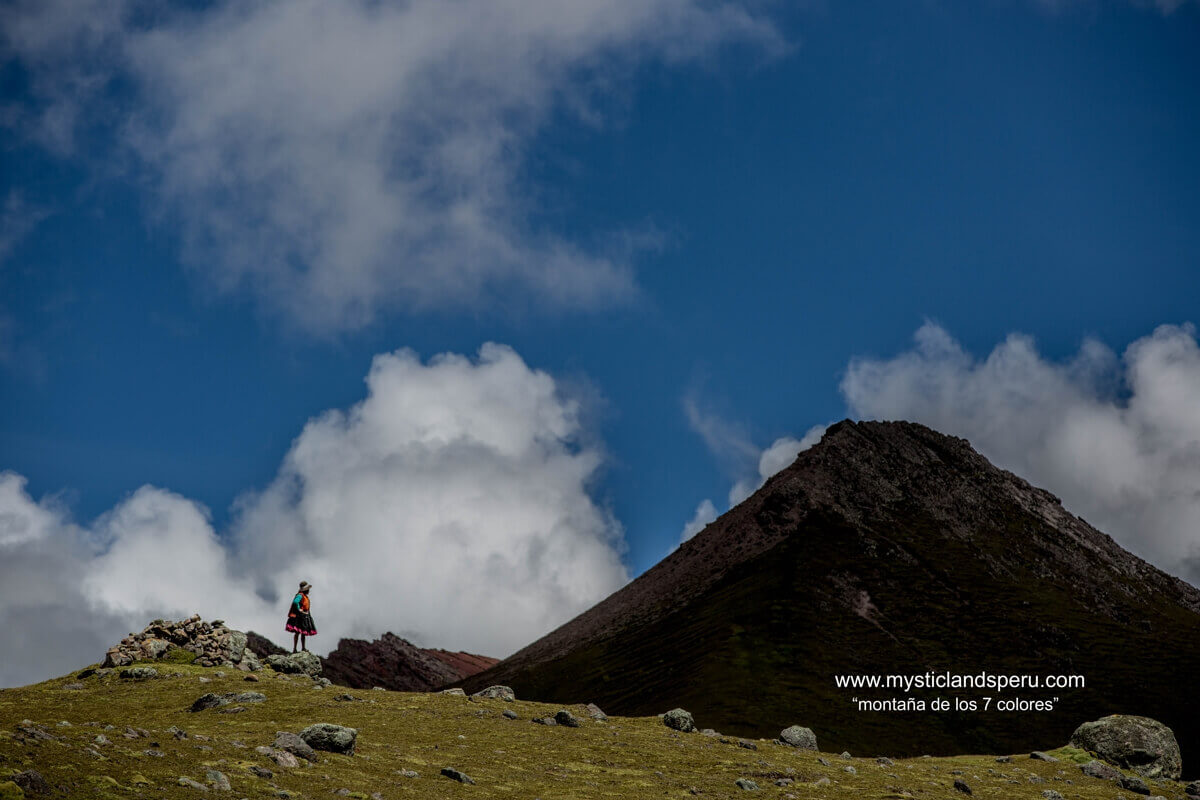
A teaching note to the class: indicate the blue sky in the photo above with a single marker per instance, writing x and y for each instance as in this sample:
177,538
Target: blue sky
764,203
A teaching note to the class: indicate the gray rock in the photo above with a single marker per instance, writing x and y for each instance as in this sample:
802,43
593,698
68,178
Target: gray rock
285,740
283,758
797,736
1098,769
138,673
191,784
1003,759
846,755
302,663
746,784
455,691
884,761
1050,794
408,773
218,781
455,775
345,698
261,772
236,647
1133,784
566,718
1038,755
680,720
961,786
510,714
849,770
594,712
31,782
330,738
1141,744
544,721
497,692
73,687
784,781
1193,788
206,701
747,744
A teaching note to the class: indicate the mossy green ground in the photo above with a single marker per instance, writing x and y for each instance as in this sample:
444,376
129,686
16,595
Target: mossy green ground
620,758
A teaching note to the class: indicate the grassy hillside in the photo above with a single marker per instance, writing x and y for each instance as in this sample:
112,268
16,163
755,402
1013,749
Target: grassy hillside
422,733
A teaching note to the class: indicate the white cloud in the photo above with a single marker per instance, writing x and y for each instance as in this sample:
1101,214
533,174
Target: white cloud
751,466
340,159
1117,438
451,505
706,512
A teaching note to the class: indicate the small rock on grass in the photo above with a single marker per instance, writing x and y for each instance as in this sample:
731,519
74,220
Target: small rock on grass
680,720
799,737
961,786
191,784
1098,769
408,773
1050,794
746,784
31,782
218,781
566,719
455,775
1038,755
595,713
509,714
331,738
293,744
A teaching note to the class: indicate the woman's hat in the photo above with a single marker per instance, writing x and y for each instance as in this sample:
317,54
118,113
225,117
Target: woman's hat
305,585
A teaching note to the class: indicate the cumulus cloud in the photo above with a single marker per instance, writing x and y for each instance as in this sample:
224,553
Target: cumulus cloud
750,465
343,158
451,505
1116,437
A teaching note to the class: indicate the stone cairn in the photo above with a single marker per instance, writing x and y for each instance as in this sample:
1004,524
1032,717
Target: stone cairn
213,644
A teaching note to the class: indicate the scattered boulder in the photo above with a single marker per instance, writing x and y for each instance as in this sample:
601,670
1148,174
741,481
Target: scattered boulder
191,784
544,721
799,737
294,745
260,772
595,713
1098,769
138,673
1193,788
330,738
210,700
961,786
509,714
1133,784
566,718
455,775
31,782
301,663
1038,755
497,692
1050,794
217,780
1141,744
746,784
680,720
457,692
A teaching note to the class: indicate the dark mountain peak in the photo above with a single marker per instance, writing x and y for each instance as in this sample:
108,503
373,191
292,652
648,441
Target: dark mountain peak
886,548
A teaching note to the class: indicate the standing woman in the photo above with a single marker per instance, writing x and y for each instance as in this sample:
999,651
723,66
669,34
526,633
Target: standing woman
300,622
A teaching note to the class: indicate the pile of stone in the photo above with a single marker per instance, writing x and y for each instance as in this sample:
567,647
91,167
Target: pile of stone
213,645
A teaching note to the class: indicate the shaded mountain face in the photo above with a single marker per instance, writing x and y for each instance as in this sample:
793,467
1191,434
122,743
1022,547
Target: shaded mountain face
389,661
888,548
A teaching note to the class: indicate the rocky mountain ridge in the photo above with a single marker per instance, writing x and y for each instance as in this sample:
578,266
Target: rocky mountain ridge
887,548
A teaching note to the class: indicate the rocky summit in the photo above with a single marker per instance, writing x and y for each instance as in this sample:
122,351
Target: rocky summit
209,644
885,549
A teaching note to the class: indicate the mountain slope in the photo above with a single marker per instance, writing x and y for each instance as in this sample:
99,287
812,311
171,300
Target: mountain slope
107,736
887,548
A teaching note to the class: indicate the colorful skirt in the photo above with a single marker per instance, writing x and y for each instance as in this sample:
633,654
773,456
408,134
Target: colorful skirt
302,624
